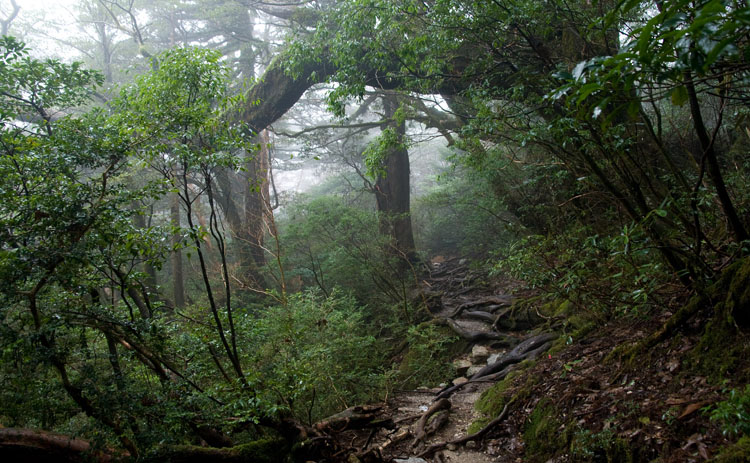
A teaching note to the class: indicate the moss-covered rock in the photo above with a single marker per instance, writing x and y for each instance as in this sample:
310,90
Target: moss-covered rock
493,400
541,433
259,451
739,452
722,348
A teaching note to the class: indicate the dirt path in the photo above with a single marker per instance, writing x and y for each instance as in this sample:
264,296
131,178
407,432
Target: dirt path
618,411
456,294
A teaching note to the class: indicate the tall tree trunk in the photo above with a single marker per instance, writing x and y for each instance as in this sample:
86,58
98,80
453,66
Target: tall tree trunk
392,189
708,155
177,275
256,202
140,222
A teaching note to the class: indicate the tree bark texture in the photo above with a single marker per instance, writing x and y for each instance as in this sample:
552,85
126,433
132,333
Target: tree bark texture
177,273
392,190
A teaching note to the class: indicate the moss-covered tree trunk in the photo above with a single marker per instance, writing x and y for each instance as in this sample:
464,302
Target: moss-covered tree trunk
392,190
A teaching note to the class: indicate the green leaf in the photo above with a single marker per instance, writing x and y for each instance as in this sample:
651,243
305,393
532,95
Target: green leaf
679,95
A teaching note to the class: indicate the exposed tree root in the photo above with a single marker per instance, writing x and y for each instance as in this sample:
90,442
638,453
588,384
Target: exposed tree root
480,315
420,431
435,447
359,417
474,336
517,318
528,349
496,301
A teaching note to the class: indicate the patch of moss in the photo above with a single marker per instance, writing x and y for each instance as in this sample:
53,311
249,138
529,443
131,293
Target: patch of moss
604,446
263,451
737,302
477,425
493,400
739,452
718,353
541,432
583,329
721,351
558,345
259,451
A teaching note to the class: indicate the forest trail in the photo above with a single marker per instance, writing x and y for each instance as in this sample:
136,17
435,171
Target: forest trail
654,408
426,422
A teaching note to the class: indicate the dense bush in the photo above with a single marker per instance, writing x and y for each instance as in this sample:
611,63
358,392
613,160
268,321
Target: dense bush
330,244
315,354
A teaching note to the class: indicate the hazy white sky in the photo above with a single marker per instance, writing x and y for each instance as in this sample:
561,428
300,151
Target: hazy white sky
42,19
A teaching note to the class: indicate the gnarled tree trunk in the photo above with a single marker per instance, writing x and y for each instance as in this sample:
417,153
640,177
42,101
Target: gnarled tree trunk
392,190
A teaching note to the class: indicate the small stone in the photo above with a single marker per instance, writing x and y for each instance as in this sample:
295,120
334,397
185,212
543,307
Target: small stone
461,365
474,370
463,261
410,460
479,354
494,358
460,380
471,444
451,447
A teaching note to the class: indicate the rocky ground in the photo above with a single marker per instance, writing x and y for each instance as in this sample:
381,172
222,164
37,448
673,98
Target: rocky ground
574,399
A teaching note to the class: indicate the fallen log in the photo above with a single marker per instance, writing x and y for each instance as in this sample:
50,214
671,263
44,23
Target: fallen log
358,417
43,446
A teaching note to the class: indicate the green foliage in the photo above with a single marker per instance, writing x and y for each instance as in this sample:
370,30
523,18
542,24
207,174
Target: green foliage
34,88
738,452
182,108
733,413
316,354
461,214
427,360
378,150
330,244
603,276
603,446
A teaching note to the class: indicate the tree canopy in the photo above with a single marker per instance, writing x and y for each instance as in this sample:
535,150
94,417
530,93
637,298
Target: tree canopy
597,155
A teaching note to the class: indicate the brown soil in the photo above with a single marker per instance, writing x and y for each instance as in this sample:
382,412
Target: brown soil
655,405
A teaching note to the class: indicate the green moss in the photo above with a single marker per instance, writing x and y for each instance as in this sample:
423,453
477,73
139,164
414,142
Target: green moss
721,349
739,452
263,451
737,302
477,425
493,400
562,307
583,329
718,351
604,446
259,451
541,432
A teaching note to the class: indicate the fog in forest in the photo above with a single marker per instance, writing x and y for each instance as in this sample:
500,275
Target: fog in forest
374,231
